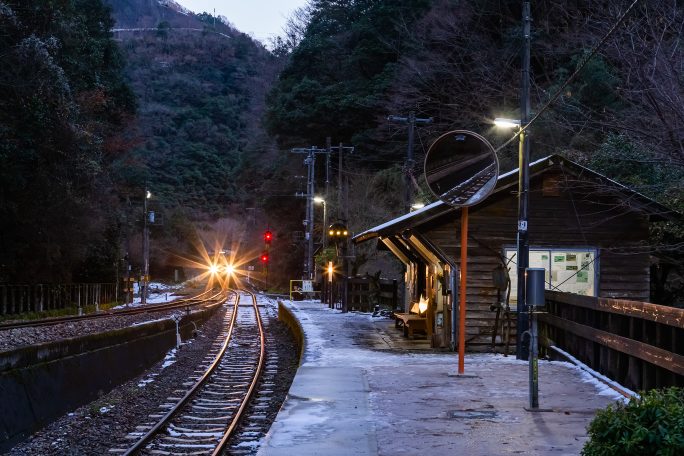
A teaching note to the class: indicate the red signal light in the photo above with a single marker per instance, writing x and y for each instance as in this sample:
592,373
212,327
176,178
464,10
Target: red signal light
264,257
268,237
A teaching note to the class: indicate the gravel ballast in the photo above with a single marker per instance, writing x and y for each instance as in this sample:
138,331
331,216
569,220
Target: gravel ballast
104,424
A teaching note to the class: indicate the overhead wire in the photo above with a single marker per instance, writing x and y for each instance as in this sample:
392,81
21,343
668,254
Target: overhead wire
570,78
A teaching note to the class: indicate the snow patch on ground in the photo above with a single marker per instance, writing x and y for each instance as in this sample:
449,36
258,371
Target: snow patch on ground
145,381
600,381
169,359
320,353
106,408
250,444
159,293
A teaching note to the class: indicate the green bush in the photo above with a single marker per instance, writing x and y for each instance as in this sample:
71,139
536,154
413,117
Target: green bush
650,425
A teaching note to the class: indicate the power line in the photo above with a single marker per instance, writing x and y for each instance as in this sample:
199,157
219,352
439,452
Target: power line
579,68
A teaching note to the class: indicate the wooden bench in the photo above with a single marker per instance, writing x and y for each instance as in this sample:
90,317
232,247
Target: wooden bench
410,322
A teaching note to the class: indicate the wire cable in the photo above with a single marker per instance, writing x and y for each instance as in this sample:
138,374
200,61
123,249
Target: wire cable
579,68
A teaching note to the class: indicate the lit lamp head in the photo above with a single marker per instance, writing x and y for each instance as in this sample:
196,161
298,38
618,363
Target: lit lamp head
319,200
506,123
213,268
337,232
422,305
229,269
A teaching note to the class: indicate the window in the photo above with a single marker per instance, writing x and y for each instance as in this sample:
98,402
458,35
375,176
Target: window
567,270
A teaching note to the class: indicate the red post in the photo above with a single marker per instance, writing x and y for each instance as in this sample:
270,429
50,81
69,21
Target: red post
462,290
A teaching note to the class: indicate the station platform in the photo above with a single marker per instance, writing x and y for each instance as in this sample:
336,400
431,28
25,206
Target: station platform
363,389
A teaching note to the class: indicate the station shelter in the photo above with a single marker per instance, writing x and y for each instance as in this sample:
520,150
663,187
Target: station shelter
587,231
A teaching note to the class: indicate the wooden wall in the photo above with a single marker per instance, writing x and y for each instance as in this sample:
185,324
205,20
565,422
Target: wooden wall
573,215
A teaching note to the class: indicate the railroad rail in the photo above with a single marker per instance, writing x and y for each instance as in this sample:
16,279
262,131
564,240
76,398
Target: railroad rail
208,296
203,420
465,190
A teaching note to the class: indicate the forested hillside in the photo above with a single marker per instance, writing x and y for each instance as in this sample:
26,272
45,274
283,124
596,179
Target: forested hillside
63,101
91,119
199,96
200,86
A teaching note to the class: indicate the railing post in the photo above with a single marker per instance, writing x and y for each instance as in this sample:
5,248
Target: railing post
12,299
41,301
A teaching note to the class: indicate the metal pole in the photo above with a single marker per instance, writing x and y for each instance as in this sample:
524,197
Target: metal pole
523,247
345,279
534,362
340,150
462,290
328,151
325,223
116,284
454,306
535,281
411,120
409,164
311,161
146,252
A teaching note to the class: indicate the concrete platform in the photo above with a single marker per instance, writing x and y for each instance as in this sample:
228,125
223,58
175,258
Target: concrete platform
363,389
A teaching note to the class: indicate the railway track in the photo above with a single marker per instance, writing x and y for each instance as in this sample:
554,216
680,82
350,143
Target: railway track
207,297
202,419
466,190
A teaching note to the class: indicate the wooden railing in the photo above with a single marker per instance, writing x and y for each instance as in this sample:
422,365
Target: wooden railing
17,299
638,344
363,293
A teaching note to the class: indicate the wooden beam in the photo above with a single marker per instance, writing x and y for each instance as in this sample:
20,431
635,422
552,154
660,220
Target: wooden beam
395,250
671,316
654,355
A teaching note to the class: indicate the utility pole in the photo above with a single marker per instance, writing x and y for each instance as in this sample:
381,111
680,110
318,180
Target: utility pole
310,162
128,298
343,214
342,210
146,251
523,246
328,148
326,197
411,120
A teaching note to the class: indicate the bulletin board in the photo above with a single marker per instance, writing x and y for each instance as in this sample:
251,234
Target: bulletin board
567,270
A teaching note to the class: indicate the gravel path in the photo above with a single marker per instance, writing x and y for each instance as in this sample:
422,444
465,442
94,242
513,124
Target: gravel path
95,428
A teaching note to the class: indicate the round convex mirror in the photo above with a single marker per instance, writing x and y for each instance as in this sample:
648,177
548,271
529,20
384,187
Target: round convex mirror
461,168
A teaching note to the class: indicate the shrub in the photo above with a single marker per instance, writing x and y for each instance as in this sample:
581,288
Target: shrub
650,425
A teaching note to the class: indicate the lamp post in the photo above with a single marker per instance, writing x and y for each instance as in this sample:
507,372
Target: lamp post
324,231
522,244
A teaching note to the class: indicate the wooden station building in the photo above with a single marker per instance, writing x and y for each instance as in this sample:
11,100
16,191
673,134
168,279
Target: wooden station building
589,232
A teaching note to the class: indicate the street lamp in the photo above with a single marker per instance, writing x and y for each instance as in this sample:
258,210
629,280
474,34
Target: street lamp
320,200
506,123
523,245
417,206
